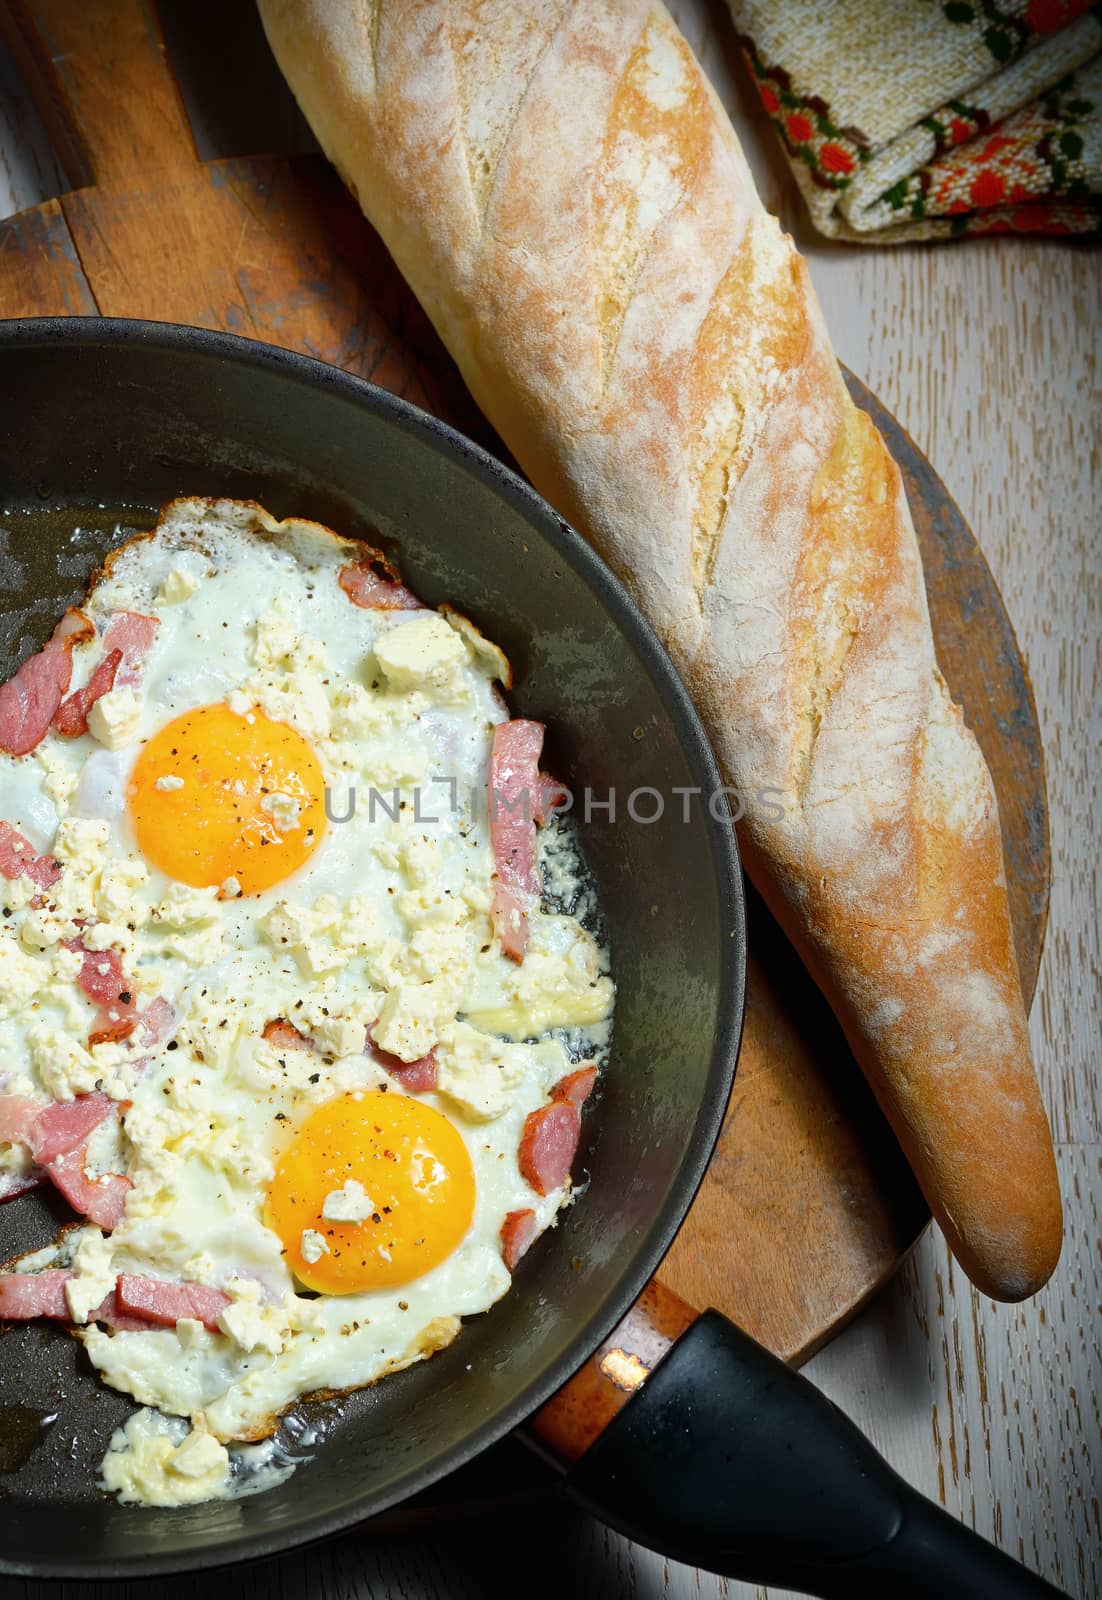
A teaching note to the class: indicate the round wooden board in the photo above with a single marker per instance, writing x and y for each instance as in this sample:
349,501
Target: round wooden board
808,1206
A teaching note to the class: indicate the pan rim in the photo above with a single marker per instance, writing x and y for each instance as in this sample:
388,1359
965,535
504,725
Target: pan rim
611,595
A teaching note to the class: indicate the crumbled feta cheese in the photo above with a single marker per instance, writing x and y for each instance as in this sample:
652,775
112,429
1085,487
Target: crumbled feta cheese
337,1027
116,898
425,653
62,780
284,809
81,841
95,1275
16,894
350,1204
298,698
411,1015
191,1334
251,1324
190,923
313,1245
21,975
356,714
313,937
177,587
168,782
64,1066
200,1456
230,888
115,718
476,1070
181,905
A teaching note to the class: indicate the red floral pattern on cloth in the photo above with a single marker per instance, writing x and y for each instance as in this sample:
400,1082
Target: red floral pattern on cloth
1014,146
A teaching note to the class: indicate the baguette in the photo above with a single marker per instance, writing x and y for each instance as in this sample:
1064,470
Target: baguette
563,191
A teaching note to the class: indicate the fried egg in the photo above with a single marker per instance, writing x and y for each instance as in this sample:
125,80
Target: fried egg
252,938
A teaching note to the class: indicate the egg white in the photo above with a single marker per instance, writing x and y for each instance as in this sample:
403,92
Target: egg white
388,918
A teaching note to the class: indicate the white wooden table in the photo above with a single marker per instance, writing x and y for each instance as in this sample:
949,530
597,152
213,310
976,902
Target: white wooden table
988,354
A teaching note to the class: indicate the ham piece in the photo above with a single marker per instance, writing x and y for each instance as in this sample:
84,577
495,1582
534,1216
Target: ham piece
134,1304
515,796
18,859
72,714
576,1086
102,979
67,1125
29,701
126,643
517,1232
169,1303
367,589
102,1200
548,1145
283,1035
57,1136
132,634
415,1077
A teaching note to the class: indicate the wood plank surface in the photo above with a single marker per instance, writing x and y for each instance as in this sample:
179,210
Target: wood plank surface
988,354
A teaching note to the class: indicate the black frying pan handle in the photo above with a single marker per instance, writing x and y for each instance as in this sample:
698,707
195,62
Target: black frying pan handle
727,1459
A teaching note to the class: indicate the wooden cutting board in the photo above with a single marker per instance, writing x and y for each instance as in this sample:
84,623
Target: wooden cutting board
808,1206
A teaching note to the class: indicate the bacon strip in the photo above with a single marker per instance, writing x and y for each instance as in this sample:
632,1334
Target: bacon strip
548,1145
169,1303
365,588
101,975
133,634
515,795
26,1295
283,1035
66,1125
57,1136
29,700
102,979
110,1313
576,1086
72,715
155,1024
517,1233
415,1077
551,796
134,1305
18,1116
101,1200
18,859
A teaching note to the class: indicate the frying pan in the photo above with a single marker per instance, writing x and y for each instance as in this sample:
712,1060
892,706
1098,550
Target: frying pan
715,1454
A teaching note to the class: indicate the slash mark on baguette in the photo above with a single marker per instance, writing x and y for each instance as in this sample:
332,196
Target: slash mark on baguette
368,18
519,58
652,159
843,575
754,335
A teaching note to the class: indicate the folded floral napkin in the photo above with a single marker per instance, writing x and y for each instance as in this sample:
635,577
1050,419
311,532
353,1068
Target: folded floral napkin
927,119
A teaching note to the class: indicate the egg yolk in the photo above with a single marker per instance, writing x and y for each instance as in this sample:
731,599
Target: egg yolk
406,1169
216,796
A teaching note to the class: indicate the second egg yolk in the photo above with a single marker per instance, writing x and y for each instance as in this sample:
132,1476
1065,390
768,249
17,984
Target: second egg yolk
411,1179
216,796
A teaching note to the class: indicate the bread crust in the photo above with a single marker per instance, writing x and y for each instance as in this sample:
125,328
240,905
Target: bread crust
561,188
